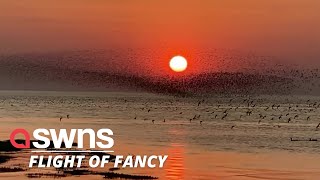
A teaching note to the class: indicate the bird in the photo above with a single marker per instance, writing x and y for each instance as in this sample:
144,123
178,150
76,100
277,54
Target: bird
164,120
61,118
233,126
68,116
200,122
195,117
153,121
224,116
291,139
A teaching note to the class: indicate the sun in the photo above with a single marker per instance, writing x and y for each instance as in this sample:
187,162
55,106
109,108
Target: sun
178,63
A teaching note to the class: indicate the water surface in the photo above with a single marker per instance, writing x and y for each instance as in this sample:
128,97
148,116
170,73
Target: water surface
238,146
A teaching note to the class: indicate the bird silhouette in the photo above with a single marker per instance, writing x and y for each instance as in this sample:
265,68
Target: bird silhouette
223,117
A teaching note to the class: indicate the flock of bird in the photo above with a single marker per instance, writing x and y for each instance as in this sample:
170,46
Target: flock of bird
235,113
236,109
263,111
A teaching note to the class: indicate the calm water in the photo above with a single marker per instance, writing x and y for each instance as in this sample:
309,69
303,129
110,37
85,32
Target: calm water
226,125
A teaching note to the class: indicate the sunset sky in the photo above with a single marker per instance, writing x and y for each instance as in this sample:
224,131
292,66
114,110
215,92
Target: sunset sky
288,29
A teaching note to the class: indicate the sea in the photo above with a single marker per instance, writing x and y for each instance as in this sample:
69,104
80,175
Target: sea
208,137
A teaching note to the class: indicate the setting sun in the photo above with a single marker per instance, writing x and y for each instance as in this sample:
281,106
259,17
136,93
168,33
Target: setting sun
178,63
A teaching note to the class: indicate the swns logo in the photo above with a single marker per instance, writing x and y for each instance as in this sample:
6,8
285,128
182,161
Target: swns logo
68,149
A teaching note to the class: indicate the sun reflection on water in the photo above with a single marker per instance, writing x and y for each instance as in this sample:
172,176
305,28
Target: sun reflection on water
175,163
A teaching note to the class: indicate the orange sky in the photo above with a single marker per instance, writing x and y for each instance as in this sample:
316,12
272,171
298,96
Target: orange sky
288,29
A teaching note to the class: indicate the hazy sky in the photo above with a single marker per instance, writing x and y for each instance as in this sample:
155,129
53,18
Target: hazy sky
288,29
